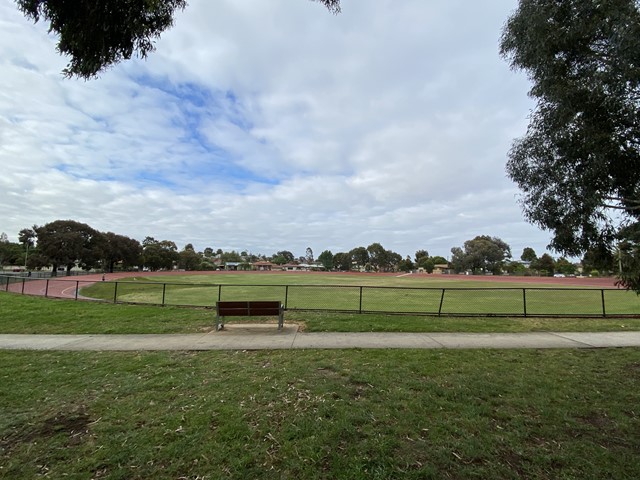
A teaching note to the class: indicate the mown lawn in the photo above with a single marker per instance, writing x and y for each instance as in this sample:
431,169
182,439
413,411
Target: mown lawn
347,414
27,314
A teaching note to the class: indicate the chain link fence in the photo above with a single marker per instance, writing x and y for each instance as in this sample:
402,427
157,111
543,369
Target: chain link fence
499,301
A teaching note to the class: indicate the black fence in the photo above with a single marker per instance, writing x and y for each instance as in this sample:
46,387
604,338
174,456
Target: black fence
45,274
499,301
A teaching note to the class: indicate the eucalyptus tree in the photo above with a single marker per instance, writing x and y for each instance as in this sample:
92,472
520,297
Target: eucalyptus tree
578,165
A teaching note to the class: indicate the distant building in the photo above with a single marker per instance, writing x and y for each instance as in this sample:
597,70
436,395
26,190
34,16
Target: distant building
264,265
442,268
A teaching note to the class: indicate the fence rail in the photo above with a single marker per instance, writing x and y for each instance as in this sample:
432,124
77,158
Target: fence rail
449,301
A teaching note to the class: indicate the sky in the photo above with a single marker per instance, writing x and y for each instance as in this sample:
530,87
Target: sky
269,125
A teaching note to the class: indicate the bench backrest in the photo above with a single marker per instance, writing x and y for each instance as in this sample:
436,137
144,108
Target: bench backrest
248,309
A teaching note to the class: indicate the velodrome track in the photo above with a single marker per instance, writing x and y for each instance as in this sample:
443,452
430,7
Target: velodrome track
66,287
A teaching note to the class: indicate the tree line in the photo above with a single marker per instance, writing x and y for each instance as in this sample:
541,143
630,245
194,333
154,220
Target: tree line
67,244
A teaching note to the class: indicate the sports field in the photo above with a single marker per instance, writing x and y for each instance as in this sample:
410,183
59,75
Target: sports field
431,294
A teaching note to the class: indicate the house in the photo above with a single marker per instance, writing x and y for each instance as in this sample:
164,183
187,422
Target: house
441,268
264,265
292,267
232,265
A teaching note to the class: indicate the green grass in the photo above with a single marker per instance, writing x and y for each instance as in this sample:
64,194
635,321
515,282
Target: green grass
343,292
347,414
27,314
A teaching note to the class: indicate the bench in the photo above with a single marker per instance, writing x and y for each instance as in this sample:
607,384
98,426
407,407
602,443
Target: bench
248,309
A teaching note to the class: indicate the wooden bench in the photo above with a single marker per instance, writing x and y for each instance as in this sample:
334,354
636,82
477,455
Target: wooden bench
248,309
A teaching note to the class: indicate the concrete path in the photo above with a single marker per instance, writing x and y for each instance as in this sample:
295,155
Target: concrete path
266,337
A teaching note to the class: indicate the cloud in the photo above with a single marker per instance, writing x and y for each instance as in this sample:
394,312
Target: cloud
274,125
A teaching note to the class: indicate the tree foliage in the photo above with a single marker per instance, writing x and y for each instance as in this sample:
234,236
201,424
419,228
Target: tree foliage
67,243
359,257
420,254
528,255
545,265
96,34
159,254
11,253
481,254
326,260
578,165
189,260
342,261
119,249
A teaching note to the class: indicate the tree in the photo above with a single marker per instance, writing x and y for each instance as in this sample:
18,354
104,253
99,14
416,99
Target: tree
378,257
428,265
578,165
308,255
628,257
27,236
545,265
188,259
393,260
231,256
11,253
420,254
438,260
342,261
528,255
67,243
481,254
564,266
359,256
405,265
96,34
326,259
282,257
458,260
158,255
119,249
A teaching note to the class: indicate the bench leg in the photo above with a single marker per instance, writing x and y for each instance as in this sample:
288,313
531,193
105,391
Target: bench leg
280,320
219,324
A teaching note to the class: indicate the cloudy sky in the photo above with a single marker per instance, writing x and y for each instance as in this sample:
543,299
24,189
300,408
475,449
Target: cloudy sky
267,125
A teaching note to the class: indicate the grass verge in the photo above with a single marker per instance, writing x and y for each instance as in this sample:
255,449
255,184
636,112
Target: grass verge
347,414
27,314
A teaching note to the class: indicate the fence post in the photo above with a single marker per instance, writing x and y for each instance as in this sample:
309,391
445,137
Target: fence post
115,293
286,296
604,311
441,301
524,301
77,288
219,292
360,307
164,289
46,289
24,280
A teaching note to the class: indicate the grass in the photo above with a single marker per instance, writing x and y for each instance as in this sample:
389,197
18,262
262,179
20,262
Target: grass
347,414
353,293
27,314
